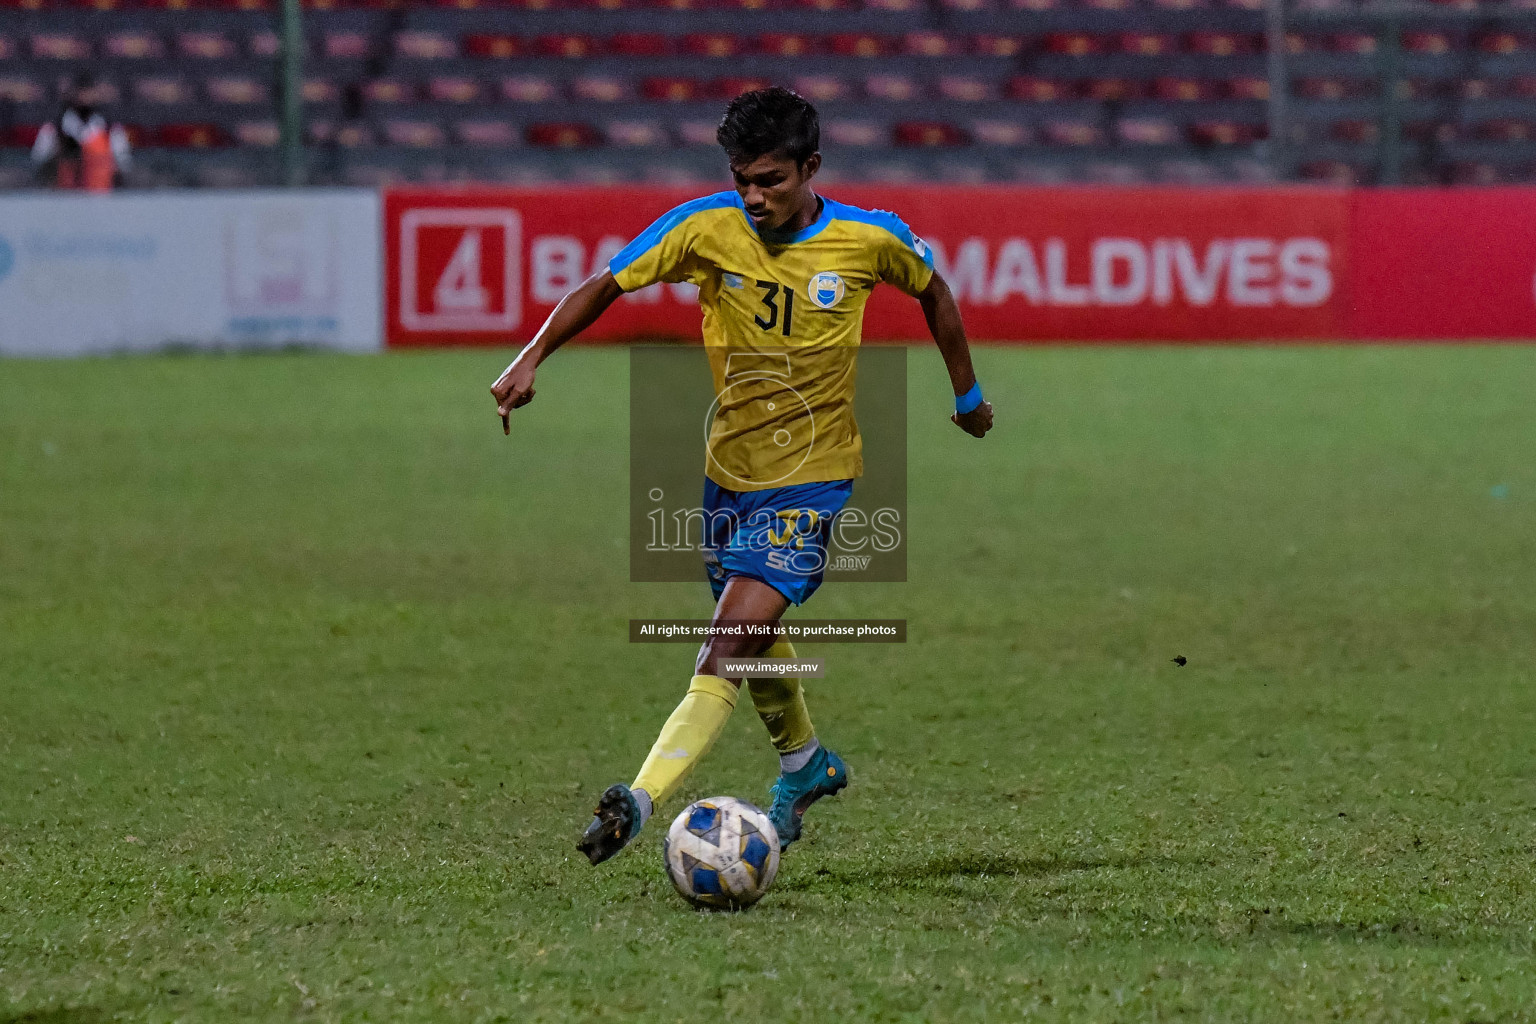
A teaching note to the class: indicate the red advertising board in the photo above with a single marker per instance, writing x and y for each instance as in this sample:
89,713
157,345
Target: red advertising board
1445,263
486,266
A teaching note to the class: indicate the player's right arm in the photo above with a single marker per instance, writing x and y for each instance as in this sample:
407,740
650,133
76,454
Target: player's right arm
576,312
662,252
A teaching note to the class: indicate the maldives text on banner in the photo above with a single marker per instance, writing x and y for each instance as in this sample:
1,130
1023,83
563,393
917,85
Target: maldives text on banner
82,274
1048,264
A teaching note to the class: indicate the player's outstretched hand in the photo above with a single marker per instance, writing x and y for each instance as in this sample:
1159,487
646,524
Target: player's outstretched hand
976,422
513,390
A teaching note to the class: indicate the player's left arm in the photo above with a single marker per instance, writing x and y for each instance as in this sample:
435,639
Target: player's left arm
948,330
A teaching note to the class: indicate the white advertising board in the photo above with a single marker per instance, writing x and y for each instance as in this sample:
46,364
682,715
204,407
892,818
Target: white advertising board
86,274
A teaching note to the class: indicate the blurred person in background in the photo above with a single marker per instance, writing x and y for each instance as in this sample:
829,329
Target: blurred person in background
79,149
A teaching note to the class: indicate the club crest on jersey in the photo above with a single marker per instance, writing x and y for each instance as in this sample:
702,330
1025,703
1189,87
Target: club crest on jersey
826,289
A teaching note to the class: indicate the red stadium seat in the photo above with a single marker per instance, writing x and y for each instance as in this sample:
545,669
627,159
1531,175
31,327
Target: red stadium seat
999,46
1334,88
351,135
346,45
1523,86
640,44
966,89
320,90
1194,5
730,88
820,88
859,44
1040,90
1147,131
1073,44
162,90
929,44
1001,133
1225,133
262,134
133,46
528,89
1223,44
1072,132
1247,87
713,44
20,89
892,87
1432,42
601,88
490,133
1113,90
414,134
206,45
492,46
697,133
1146,44
20,136
1184,90
264,44
59,46
667,89
191,136
569,46
896,6
786,44
388,91
1357,130
1505,42
636,134
453,89
827,5
1475,173
927,134
563,135
1504,129
238,89
420,45
964,6
1034,6
857,133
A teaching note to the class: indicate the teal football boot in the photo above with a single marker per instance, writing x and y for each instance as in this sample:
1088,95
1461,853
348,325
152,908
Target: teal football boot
824,774
616,821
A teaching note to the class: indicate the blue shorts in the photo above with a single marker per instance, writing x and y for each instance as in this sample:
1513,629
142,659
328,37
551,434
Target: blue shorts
778,536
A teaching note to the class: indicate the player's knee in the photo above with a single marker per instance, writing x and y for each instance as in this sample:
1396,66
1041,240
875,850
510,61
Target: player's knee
720,648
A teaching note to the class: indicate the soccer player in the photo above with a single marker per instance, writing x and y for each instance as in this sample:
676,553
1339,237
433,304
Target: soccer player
783,276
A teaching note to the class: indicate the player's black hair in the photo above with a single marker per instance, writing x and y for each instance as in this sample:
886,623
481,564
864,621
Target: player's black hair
769,121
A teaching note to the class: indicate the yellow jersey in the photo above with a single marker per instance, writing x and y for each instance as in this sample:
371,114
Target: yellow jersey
783,318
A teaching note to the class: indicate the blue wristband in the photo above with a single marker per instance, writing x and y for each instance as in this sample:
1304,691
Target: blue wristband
968,401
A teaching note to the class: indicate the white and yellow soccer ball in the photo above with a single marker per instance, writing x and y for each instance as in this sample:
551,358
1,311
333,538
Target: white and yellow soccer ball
722,853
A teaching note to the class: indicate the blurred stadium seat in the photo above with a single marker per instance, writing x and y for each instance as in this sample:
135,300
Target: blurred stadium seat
1157,86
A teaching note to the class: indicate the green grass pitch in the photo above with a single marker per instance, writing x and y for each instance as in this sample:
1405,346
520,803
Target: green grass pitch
309,677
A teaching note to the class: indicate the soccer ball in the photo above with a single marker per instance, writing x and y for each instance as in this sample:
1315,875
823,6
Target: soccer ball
722,853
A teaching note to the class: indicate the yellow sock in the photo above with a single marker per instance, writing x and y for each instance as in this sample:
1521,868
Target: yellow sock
689,733
780,703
